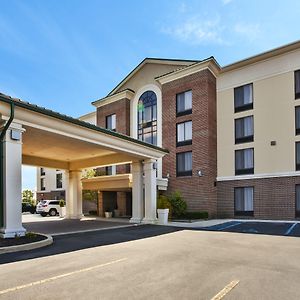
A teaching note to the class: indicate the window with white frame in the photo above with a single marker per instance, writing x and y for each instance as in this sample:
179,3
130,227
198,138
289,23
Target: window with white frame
147,118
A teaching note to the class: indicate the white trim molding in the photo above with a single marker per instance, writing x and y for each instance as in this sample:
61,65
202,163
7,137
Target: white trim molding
258,176
126,94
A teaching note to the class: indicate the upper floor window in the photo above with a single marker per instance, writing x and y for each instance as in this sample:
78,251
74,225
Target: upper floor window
43,171
59,180
184,133
244,130
298,156
297,84
243,97
147,118
297,204
111,122
184,164
297,119
244,161
184,103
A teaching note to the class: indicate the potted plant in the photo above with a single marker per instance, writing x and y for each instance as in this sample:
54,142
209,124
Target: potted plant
163,209
108,214
62,211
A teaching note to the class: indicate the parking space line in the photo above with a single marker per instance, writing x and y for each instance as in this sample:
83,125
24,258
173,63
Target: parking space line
288,232
229,226
226,290
58,277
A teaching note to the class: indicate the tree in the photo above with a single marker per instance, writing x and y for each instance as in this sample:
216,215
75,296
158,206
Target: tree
27,196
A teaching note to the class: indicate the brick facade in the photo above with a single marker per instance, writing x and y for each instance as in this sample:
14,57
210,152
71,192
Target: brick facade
274,198
59,195
199,192
122,110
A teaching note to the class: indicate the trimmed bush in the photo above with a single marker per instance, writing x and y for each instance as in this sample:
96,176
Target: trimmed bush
178,204
93,212
61,203
196,215
163,203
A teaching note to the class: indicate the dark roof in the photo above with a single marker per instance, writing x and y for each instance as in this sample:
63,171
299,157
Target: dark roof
53,114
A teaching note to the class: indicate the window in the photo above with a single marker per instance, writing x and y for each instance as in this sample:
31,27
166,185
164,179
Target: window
243,97
108,170
59,180
111,122
297,84
184,103
43,172
297,119
244,161
43,184
297,204
184,133
244,130
298,156
184,164
243,201
147,118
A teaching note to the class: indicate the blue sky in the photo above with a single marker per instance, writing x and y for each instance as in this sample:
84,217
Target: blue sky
65,54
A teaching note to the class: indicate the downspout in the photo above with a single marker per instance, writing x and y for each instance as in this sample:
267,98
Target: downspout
2,135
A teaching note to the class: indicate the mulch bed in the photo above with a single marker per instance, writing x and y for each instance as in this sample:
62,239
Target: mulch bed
31,238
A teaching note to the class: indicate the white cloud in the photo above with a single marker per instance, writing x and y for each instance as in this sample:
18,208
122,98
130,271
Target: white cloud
248,31
197,31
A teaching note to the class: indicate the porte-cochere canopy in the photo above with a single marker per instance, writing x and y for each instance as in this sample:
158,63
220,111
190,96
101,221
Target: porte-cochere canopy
37,136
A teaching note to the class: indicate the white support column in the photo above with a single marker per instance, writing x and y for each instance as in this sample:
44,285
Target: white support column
73,195
150,191
137,193
12,183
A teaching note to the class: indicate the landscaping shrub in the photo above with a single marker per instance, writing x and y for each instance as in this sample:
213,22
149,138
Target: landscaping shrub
196,215
163,203
93,212
61,203
178,204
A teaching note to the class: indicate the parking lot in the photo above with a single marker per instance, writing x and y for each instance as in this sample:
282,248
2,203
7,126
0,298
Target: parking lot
156,262
259,227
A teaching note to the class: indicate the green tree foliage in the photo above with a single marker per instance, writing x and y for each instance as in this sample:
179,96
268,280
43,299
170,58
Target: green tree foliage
27,196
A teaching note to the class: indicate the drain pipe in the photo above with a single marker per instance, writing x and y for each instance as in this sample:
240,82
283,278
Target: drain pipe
2,135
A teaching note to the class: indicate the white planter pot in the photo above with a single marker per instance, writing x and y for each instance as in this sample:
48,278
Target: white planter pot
62,212
108,214
116,213
163,215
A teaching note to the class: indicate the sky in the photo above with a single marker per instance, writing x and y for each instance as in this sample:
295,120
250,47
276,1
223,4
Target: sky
64,54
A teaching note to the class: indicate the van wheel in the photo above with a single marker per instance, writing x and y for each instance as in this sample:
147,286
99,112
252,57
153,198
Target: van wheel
43,214
52,212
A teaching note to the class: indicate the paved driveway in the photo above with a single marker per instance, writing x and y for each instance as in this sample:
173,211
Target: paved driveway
57,225
181,264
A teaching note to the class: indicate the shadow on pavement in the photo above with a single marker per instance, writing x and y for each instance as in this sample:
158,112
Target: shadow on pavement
78,241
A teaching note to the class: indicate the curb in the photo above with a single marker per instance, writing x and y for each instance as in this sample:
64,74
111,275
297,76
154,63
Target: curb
31,246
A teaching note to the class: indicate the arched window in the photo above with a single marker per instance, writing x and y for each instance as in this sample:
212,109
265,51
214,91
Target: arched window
147,118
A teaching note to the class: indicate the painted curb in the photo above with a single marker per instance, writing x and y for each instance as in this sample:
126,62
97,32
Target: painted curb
31,246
